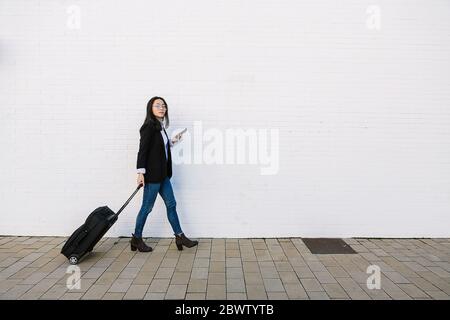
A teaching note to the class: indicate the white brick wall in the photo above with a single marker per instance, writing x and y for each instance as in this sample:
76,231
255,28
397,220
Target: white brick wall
363,114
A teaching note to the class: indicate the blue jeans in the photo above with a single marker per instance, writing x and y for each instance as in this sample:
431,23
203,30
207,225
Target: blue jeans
150,192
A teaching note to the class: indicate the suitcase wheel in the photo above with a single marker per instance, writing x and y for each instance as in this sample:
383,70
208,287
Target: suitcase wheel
73,259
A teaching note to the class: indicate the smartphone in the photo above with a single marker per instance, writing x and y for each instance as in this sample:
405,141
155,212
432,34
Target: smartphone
179,134
183,131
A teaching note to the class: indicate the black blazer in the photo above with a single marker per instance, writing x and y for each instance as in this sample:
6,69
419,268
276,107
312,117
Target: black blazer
151,154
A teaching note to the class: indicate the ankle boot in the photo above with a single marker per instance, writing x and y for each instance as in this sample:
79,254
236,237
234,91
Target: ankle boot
182,240
139,244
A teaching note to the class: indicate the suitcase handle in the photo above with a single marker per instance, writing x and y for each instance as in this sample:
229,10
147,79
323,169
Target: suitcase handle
129,199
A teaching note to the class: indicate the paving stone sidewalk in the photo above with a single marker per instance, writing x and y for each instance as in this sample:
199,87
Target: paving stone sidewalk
233,269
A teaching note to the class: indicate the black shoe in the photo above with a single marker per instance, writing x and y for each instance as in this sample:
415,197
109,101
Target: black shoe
182,240
139,244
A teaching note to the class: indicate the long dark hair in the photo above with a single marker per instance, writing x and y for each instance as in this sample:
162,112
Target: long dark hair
150,119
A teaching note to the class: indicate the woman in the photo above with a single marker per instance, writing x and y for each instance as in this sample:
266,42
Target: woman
154,166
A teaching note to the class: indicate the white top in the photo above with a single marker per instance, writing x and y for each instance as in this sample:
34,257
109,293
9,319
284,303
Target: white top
172,143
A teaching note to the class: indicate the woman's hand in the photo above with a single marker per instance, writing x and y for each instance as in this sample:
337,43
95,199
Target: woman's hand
176,138
140,179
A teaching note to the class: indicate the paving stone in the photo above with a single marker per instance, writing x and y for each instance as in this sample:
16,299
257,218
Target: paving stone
136,292
295,291
396,277
180,278
197,285
334,290
235,285
176,291
413,291
324,277
250,266
72,296
159,285
269,272
253,278
154,296
311,285
217,266
438,295
55,292
318,295
199,273
273,285
234,273
95,292
217,278
236,296
256,292
288,277
120,285
113,296
144,277
195,296
216,291
277,296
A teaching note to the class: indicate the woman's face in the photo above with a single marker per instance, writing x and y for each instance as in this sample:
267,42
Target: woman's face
159,108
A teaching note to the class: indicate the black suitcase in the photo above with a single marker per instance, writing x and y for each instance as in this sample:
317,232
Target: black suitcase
83,240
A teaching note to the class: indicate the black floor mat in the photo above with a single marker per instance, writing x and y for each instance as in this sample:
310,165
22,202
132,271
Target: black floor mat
328,246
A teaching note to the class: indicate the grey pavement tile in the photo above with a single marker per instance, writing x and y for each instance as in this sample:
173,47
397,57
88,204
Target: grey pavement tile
233,263
164,273
234,272
334,290
324,277
236,296
217,266
295,291
176,291
256,292
288,277
216,291
197,285
217,278
201,263
154,296
412,290
318,295
136,292
440,272
113,296
438,295
180,278
55,292
277,296
95,292
273,285
303,272
159,285
396,277
144,277
235,285
338,272
195,296
72,296
120,285
253,278
199,273
311,285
